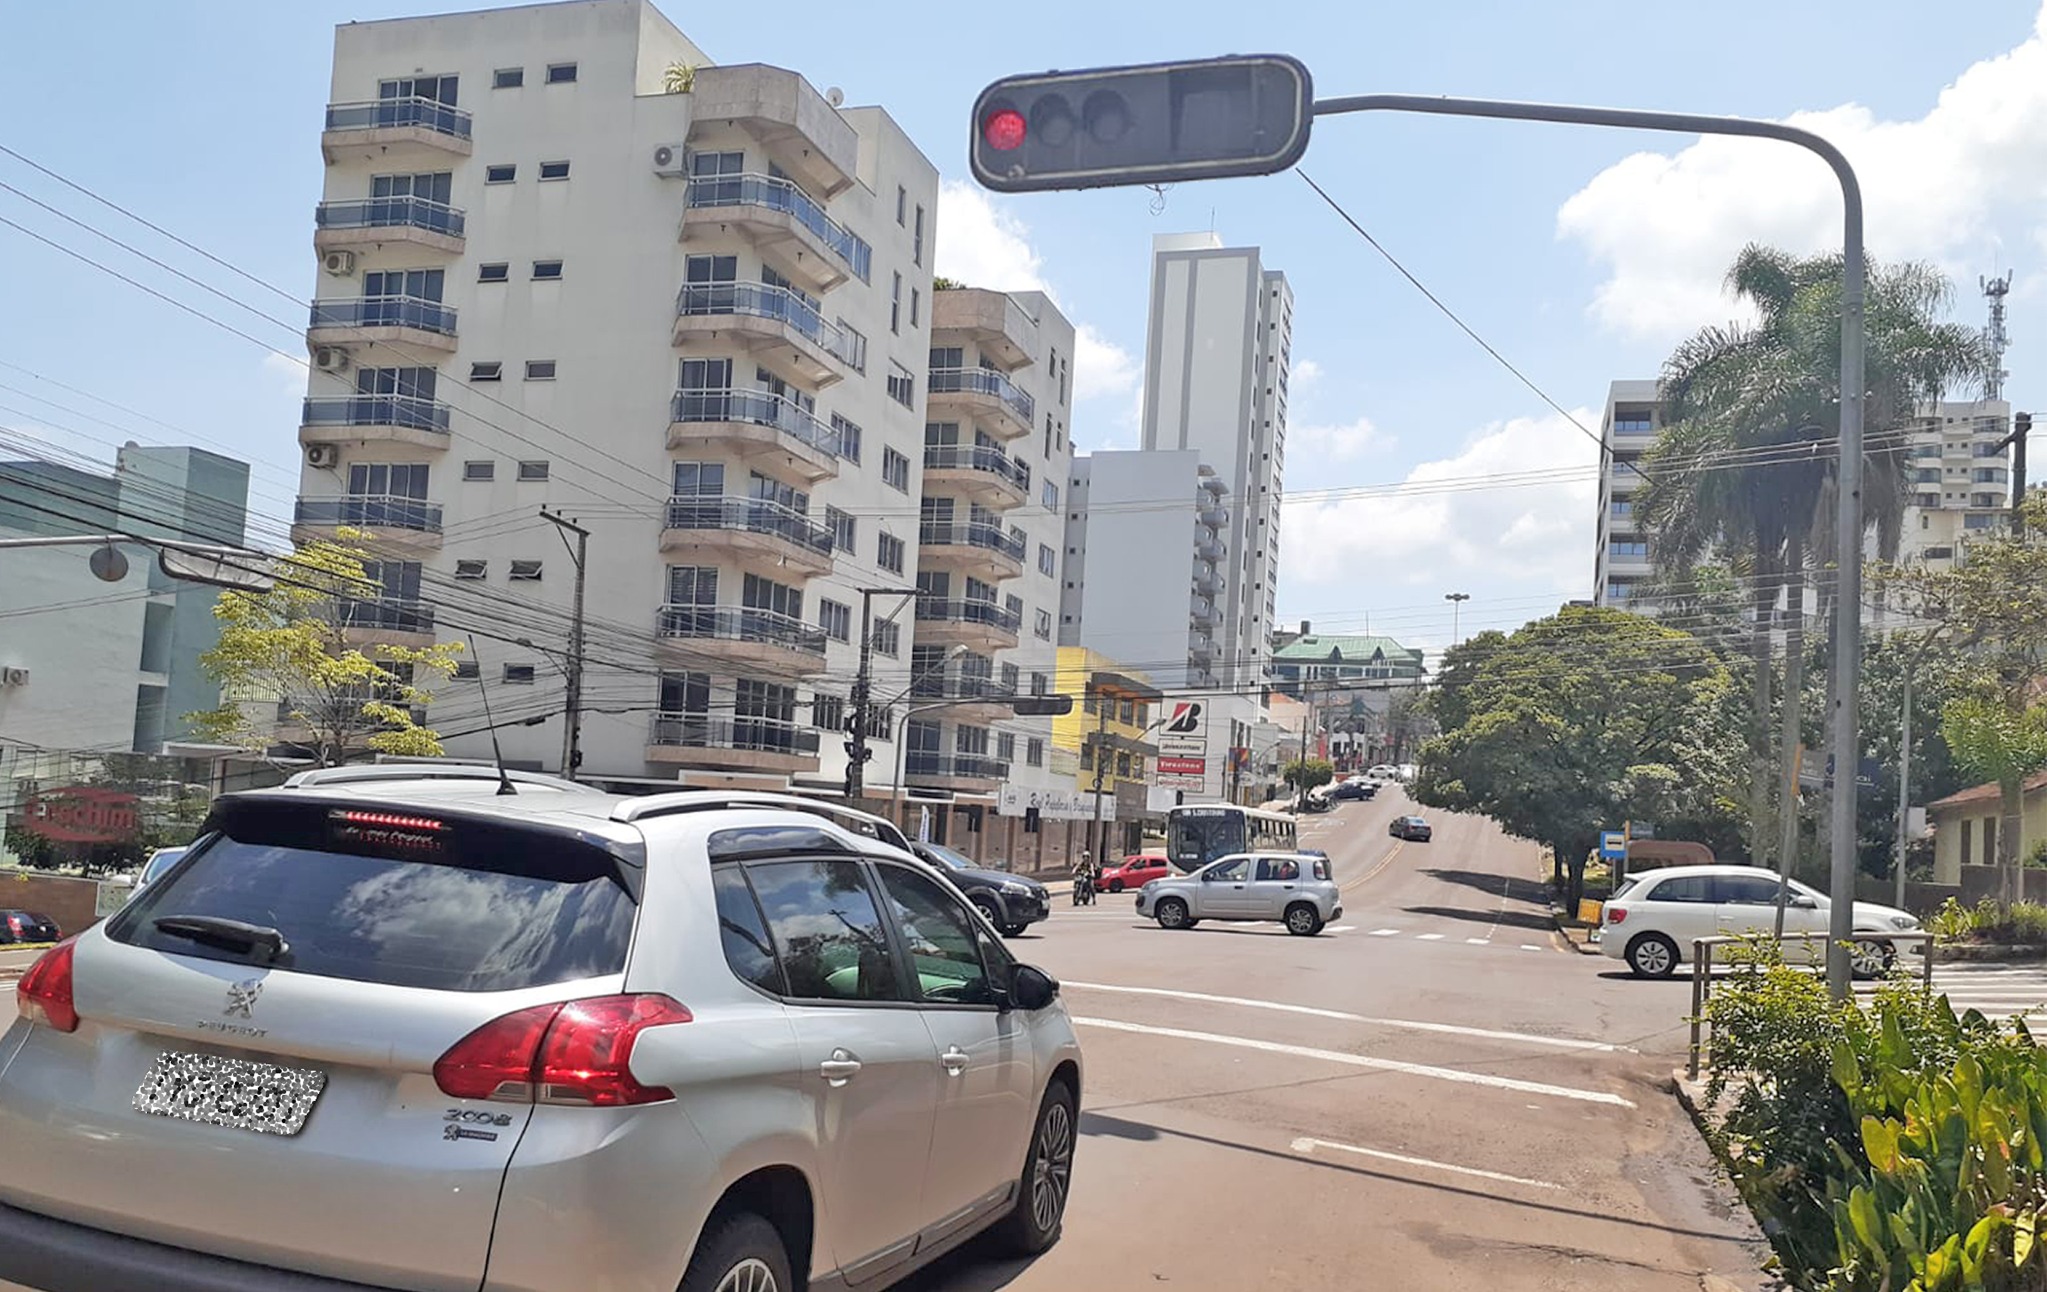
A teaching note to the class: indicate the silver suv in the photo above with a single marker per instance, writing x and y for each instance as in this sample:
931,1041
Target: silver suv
393,1028
1294,888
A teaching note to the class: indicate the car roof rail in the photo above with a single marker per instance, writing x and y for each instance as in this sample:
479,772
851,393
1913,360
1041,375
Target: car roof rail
653,805
363,773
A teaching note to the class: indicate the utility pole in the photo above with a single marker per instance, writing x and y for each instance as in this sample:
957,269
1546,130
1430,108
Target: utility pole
572,705
857,752
2021,427
1456,600
1101,757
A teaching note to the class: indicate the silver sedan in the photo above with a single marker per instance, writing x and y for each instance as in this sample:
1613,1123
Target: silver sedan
1294,889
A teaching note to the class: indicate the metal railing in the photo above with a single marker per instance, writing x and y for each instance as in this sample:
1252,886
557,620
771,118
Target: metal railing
1702,971
753,515
741,624
372,511
758,300
409,411
982,381
939,686
391,213
774,194
971,534
975,766
755,408
382,113
757,735
389,614
384,311
978,457
969,611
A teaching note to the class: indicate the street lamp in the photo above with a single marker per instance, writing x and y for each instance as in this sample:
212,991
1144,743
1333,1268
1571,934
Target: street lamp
1456,600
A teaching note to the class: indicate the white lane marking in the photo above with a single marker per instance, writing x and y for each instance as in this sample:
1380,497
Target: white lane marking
1385,933
1530,946
1307,1145
1341,928
1365,1061
1451,1029
1480,942
1428,937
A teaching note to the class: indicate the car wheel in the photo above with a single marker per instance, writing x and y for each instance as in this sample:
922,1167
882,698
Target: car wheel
1014,930
1871,959
987,907
1303,920
1033,1224
739,1253
1172,914
1115,885
1652,956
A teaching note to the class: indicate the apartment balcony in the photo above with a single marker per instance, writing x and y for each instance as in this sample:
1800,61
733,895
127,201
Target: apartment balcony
754,425
751,530
379,419
394,522
1201,612
1210,550
375,221
1208,585
961,773
731,743
1201,648
1214,484
978,549
385,621
972,699
992,320
739,637
802,133
1987,499
987,475
781,221
1213,518
978,625
411,321
774,324
395,130
991,400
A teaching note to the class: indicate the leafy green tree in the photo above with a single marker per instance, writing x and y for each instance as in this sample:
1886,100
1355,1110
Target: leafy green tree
296,648
1576,723
1306,774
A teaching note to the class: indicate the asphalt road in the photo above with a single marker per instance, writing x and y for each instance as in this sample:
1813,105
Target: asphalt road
1434,1093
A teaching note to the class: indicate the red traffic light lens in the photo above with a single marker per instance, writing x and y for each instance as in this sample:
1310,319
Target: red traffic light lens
1004,130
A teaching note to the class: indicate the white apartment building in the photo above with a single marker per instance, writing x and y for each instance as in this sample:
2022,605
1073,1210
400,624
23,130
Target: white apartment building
1634,415
569,262
1218,349
1153,595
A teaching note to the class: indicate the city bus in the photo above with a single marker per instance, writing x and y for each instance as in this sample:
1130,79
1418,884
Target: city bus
1197,834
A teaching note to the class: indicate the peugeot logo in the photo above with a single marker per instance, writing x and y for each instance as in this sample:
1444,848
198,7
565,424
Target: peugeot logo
241,998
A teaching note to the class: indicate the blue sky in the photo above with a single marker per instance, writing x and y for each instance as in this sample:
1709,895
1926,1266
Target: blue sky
1582,255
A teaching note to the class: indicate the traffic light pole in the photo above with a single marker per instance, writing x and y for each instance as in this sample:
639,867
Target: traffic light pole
572,700
857,752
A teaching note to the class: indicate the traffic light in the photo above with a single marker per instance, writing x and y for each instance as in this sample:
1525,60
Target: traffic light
1159,123
1040,706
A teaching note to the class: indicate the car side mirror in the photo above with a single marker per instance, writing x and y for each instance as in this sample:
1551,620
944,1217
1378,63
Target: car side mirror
1031,988
1804,903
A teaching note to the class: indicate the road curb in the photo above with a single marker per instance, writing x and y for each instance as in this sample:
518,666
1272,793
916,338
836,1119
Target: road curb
1691,1096
1574,936
1987,953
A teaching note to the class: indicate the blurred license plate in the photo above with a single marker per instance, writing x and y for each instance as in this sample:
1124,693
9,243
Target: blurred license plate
237,1093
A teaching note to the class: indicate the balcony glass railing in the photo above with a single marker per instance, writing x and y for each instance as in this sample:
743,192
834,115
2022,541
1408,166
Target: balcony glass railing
938,686
1633,426
977,457
982,381
969,612
755,408
741,624
759,735
387,614
383,113
753,515
390,213
990,537
973,766
758,300
408,411
780,195
384,311
372,511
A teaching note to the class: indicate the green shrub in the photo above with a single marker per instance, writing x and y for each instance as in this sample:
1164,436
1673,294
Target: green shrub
2019,924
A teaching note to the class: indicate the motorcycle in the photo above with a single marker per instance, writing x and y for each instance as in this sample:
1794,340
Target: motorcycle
1084,890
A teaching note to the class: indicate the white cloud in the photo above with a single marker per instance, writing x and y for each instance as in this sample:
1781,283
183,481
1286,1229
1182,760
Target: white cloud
1342,443
1100,366
1964,186
1306,371
287,373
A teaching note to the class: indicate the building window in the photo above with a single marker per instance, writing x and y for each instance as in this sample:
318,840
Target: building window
495,272
1010,675
1043,626
888,640
502,173
902,202
547,271
540,370
1034,752
525,571
828,712
1049,495
1627,547
895,470
895,304
849,438
561,73
842,528
889,553
1040,684
508,78
486,371
856,347
1005,741
554,170
836,619
902,387
470,569
518,675
468,670
532,472
1048,560
1087,758
479,470
917,247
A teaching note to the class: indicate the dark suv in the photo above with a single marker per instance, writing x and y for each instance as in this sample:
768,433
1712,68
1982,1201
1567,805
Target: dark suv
27,926
1012,904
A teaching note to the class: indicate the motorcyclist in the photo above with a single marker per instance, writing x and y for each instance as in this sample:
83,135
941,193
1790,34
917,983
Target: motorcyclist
1084,879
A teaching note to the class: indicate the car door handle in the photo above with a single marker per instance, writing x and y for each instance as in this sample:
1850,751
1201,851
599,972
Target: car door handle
840,1068
954,1059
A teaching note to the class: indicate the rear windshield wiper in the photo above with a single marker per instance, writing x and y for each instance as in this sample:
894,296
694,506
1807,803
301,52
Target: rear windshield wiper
229,935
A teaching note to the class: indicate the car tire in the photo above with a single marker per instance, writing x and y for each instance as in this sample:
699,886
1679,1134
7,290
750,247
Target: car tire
739,1250
1034,1223
1115,885
1652,955
1871,959
1014,930
1303,920
986,906
1171,913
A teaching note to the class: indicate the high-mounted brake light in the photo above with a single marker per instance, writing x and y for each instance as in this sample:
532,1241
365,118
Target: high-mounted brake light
390,821
574,1053
44,992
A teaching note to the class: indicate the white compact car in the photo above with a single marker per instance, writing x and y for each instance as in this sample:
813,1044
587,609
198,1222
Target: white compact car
1651,919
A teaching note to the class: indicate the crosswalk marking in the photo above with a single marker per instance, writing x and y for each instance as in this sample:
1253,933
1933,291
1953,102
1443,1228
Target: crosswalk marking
1385,933
1430,937
1996,990
1479,942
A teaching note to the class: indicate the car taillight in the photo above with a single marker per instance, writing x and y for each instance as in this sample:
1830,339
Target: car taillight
44,992
573,1053
1615,914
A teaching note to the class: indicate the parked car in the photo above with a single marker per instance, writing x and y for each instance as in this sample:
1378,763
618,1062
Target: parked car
27,926
1653,916
1345,790
1410,827
1383,772
393,1033
1012,904
1290,887
1135,871
152,870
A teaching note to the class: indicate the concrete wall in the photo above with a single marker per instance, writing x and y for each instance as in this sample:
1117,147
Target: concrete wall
71,902
1136,591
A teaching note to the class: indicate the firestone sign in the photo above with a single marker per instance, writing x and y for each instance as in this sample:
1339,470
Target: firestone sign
82,814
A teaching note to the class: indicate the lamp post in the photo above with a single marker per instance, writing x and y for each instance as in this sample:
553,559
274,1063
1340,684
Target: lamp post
1456,600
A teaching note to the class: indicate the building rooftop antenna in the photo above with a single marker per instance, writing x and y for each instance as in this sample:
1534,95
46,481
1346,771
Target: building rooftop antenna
1996,289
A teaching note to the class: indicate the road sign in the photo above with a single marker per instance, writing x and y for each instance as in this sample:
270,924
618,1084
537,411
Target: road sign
1613,845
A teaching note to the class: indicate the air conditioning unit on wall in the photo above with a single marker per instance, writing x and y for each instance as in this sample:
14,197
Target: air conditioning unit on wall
11,676
338,263
330,358
322,455
671,161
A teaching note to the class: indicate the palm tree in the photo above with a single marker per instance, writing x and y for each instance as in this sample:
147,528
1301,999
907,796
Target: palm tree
1743,470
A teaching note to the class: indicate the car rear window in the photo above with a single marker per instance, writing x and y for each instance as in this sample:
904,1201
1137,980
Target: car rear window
462,907
1627,886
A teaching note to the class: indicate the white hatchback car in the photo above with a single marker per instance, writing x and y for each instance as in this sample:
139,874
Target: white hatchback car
1653,916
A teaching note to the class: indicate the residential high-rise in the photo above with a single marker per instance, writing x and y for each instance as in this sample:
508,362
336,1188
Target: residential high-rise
1217,354
1634,415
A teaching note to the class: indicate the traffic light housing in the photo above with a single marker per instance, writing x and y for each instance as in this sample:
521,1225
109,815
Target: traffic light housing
1157,123
1040,706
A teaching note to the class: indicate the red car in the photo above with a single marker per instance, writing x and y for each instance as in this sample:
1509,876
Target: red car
1135,871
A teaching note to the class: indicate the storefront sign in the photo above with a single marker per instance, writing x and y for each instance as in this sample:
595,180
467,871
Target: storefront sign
82,814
